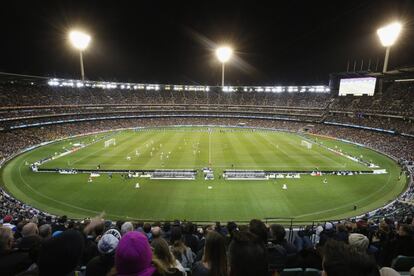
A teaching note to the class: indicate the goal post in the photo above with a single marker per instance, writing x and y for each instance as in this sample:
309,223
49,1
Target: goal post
306,144
110,142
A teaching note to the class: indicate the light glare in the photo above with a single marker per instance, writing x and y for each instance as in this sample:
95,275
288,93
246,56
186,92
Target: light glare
389,34
79,40
224,54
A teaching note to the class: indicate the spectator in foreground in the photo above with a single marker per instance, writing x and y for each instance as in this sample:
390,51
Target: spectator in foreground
403,244
247,255
147,231
340,259
133,256
11,261
61,255
45,231
190,239
359,242
165,259
278,236
30,238
102,264
214,261
7,222
127,227
181,252
156,232
258,228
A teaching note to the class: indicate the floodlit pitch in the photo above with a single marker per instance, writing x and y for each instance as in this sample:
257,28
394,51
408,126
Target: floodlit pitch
184,148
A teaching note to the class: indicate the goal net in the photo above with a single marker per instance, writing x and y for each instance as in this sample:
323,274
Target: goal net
110,142
306,144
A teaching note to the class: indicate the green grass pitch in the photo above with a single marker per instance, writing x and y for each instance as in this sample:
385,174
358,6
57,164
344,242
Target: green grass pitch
307,198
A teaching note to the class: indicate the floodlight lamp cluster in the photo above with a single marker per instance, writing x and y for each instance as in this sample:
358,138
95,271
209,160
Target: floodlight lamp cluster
224,53
79,40
388,35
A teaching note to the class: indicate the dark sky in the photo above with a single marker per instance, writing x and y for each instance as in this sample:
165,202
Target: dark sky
276,42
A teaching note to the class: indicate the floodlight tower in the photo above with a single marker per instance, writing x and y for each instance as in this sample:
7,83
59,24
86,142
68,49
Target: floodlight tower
223,54
80,41
388,35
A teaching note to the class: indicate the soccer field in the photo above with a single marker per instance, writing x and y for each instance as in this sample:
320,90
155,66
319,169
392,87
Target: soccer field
306,198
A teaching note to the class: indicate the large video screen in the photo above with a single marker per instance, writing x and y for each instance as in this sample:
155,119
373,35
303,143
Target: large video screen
357,86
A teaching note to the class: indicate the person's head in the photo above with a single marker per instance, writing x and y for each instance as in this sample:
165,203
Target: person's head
340,259
341,228
98,230
45,231
147,228
30,229
162,252
61,255
109,242
62,219
127,227
215,253
328,226
156,232
176,235
189,228
384,227
405,230
6,239
258,228
207,228
133,255
166,227
231,227
358,241
7,219
247,255
278,232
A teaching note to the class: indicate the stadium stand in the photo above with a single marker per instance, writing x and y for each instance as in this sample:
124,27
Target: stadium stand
82,246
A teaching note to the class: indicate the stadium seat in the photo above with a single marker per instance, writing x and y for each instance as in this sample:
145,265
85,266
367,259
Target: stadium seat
292,272
402,263
312,272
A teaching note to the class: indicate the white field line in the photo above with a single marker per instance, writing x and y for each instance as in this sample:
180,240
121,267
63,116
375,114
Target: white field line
52,199
273,144
348,204
61,202
92,153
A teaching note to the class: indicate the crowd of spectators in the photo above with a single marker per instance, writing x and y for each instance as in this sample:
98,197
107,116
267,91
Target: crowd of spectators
37,103
14,95
394,145
46,245
397,99
360,119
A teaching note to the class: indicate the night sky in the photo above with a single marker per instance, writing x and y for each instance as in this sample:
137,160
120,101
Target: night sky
275,42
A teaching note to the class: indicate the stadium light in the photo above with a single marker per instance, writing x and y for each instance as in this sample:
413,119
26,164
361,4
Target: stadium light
223,54
80,41
388,35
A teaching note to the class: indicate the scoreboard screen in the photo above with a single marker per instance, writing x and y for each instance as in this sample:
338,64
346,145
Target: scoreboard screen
357,86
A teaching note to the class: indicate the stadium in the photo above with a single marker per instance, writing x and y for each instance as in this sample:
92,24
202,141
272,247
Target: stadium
290,170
